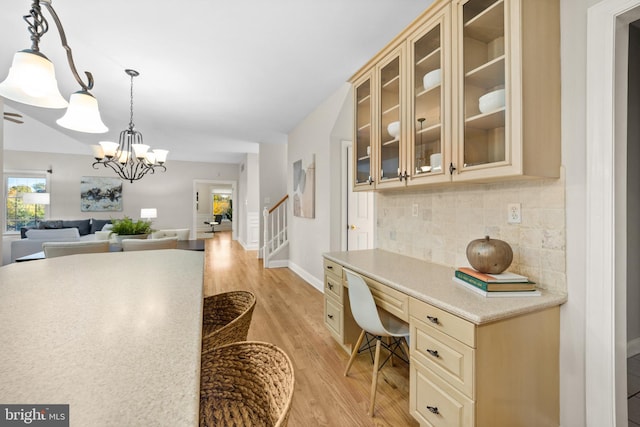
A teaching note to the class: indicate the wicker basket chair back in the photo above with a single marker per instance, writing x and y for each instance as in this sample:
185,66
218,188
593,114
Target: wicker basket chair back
226,318
246,384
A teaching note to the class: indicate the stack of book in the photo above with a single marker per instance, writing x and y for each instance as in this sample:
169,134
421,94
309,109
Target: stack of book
495,285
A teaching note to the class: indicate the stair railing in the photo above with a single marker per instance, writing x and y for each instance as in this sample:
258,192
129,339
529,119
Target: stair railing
275,229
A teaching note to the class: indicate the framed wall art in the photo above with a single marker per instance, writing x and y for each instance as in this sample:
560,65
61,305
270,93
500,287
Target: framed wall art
100,194
304,188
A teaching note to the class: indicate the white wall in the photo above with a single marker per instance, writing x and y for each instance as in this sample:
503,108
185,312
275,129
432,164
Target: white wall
573,24
249,203
273,177
342,131
633,190
310,237
2,218
169,192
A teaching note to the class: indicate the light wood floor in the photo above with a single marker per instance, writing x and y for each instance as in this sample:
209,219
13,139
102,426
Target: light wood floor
289,314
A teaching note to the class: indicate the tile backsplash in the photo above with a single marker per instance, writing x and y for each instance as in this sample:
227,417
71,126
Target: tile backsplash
437,225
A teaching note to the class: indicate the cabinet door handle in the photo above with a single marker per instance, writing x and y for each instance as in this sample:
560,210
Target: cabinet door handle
370,180
433,410
330,286
330,316
433,320
434,353
451,168
330,267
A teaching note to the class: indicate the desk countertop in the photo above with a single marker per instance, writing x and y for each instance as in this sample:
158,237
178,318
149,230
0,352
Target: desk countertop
432,283
116,336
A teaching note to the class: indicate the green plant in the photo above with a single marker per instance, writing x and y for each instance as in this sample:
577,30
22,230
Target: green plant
127,226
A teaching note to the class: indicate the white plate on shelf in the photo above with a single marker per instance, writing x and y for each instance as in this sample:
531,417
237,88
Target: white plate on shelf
394,129
491,101
432,79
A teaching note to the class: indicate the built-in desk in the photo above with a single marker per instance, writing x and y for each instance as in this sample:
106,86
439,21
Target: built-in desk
116,335
475,361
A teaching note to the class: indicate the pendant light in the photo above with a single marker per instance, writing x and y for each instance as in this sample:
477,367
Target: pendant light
31,79
130,159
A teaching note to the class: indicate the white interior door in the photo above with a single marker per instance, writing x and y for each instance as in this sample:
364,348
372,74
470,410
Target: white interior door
360,212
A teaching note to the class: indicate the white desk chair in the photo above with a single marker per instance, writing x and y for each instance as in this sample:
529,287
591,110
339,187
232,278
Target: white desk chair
149,244
56,249
378,323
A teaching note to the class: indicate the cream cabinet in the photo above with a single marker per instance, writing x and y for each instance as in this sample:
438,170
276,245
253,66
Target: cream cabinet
474,86
429,117
363,153
338,320
504,373
507,93
498,372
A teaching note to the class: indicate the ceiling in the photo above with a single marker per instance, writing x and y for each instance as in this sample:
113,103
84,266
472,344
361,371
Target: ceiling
217,78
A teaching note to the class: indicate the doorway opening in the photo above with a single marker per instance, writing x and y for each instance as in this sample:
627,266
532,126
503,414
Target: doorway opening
213,202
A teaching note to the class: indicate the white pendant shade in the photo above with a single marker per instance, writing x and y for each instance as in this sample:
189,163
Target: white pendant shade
140,150
109,148
83,114
36,198
32,80
148,213
98,152
161,155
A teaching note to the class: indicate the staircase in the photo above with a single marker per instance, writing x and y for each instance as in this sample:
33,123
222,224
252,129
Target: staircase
276,238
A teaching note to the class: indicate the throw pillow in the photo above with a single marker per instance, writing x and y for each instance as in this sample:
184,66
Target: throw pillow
98,224
64,234
50,224
83,225
23,231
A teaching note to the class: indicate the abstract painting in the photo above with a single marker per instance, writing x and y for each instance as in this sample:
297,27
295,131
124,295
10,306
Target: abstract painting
304,188
100,194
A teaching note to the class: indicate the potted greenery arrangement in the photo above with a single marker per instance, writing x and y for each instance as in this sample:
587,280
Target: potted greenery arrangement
126,228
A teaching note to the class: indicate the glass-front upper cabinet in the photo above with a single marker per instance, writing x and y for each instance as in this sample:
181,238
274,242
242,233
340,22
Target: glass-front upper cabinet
363,152
428,151
390,132
485,93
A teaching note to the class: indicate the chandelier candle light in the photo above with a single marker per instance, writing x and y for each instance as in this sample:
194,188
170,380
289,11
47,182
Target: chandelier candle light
32,80
130,159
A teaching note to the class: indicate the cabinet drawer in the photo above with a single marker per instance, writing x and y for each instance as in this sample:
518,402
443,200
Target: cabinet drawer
331,267
445,322
447,357
389,299
333,318
333,287
433,402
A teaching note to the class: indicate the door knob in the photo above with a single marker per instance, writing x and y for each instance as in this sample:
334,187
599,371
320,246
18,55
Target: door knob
352,227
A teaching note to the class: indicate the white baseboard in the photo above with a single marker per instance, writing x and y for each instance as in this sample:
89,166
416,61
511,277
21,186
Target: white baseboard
248,247
310,279
633,347
279,263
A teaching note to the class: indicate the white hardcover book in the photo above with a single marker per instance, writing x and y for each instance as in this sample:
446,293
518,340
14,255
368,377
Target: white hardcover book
497,294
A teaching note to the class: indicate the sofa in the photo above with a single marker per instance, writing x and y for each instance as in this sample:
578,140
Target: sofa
180,233
58,231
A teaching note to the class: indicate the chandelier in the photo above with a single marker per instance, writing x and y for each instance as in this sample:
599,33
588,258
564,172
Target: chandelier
32,78
130,159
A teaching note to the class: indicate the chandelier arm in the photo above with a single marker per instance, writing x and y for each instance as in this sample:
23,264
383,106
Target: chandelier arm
63,39
37,25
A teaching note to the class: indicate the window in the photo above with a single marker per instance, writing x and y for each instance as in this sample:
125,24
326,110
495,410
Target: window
222,205
17,213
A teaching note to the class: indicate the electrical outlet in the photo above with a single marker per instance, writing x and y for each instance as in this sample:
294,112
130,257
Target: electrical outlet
514,216
414,212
